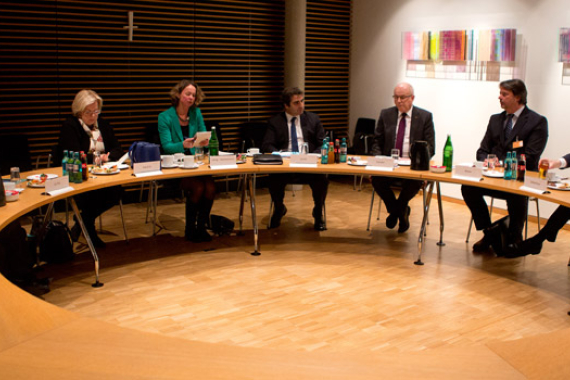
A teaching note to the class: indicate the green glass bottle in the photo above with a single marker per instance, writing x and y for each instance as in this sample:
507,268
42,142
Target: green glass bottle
214,145
448,154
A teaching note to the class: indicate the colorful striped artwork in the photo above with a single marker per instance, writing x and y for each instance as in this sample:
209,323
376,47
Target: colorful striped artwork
495,45
564,45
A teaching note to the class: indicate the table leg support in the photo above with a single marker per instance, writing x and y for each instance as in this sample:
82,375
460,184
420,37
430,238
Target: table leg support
97,284
441,221
242,201
251,184
424,222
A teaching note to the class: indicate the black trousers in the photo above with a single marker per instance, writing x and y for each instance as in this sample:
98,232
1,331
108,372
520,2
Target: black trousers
318,183
409,189
516,205
556,221
94,203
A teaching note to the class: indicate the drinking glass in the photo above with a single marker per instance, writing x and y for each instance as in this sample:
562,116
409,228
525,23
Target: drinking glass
304,148
395,154
491,161
199,155
543,169
15,174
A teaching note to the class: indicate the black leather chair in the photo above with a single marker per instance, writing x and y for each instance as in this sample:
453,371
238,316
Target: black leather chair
14,152
362,141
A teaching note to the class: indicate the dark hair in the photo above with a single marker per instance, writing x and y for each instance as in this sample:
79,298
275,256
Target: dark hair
180,86
517,87
288,93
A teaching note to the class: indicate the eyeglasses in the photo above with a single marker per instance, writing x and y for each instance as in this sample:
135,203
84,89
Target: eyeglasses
91,113
403,97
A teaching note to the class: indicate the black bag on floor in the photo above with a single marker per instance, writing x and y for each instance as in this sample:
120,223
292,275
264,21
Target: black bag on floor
498,235
56,246
220,225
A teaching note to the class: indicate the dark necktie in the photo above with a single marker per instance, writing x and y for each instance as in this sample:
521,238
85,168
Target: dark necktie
294,141
509,126
400,136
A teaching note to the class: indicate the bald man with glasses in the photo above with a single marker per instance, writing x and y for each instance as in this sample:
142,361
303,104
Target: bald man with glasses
398,128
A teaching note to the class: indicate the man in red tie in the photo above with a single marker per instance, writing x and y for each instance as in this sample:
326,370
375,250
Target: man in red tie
398,127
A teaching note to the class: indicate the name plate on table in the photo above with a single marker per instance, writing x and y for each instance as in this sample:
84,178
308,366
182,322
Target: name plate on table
535,185
468,172
146,169
59,185
226,161
384,163
303,160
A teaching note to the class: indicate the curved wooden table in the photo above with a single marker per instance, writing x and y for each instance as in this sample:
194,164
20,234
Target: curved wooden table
40,340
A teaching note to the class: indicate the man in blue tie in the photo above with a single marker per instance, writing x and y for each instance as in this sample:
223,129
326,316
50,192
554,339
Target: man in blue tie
518,129
398,128
287,132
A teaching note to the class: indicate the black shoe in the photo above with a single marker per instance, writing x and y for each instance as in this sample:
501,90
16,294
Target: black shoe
201,235
404,221
482,245
391,221
532,246
319,224
97,242
278,214
75,232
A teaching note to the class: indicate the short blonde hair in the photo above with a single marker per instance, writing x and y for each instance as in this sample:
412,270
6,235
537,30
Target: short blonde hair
180,86
83,99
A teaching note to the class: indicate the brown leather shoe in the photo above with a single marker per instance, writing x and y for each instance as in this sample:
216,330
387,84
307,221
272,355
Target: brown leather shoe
482,245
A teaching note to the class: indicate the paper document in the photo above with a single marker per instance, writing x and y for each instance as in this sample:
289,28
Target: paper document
201,137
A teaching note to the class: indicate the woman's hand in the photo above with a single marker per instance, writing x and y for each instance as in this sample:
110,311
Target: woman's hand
189,143
204,142
104,157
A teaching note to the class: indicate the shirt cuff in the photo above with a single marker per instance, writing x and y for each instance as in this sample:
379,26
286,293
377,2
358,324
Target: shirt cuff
563,163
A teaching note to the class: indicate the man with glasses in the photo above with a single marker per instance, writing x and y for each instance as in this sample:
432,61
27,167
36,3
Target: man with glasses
518,129
398,128
287,132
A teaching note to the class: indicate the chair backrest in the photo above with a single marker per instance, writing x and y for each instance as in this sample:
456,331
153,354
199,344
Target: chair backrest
363,136
252,133
14,151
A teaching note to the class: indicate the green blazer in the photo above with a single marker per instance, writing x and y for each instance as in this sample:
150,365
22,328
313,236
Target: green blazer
170,131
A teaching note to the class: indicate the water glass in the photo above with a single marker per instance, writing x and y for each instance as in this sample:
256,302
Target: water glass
199,155
395,154
15,174
304,148
491,161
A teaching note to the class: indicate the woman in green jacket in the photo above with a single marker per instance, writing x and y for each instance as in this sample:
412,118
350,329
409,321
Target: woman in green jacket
176,128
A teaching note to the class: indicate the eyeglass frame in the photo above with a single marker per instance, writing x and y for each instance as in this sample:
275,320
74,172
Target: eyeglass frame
403,97
89,113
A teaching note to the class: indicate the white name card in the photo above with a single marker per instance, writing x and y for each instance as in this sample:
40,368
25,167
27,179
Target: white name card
303,161
534,185
384,163
468,172
59,185
226,161
146,169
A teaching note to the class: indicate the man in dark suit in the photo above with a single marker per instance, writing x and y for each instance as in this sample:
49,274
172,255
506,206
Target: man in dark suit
288,131
557,220
398,128
516,128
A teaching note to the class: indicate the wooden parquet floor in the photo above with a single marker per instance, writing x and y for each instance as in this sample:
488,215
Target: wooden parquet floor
341,290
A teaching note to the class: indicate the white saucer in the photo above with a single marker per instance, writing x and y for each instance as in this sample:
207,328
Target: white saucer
173,166
358,163
195,166
493,174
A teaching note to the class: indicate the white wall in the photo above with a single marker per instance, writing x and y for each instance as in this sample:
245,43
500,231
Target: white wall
460,108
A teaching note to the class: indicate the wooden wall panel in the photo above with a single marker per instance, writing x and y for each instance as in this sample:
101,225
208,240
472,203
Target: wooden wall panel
234,50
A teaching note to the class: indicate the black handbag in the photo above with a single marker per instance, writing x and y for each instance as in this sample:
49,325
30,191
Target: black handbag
267,159
498,235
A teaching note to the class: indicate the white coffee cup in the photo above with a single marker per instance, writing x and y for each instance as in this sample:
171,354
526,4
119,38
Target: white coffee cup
188,161
253,151
167,160
178,157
